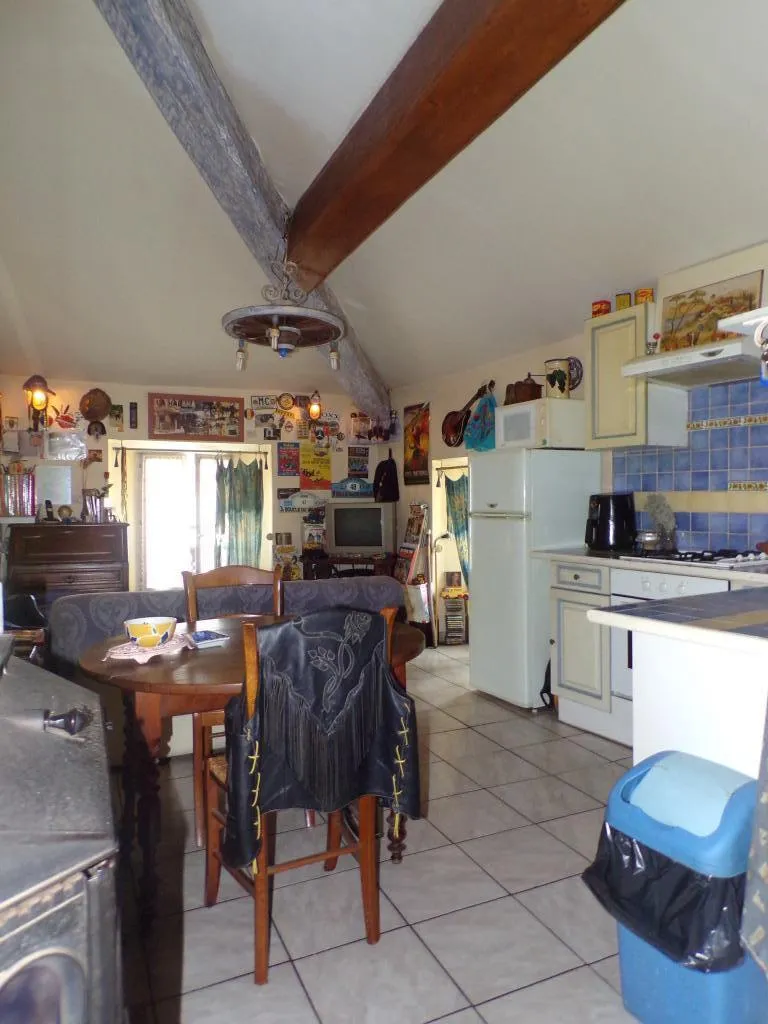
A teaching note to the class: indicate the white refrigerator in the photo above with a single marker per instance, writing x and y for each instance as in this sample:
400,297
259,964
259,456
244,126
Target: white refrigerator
520,500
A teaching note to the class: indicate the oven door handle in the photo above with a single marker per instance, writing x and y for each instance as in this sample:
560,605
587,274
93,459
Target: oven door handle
629,649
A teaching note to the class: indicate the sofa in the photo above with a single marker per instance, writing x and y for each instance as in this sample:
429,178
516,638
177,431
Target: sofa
78,621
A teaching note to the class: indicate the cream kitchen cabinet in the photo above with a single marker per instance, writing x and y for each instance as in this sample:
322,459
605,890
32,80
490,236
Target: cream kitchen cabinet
624,411
581,653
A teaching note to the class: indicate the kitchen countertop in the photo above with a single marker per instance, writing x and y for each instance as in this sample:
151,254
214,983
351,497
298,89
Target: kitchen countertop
733,620
751,573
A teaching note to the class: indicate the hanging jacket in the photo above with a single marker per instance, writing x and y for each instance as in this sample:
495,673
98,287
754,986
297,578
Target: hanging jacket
385,485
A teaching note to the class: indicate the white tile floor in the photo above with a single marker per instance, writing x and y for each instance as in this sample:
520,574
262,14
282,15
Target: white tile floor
486,920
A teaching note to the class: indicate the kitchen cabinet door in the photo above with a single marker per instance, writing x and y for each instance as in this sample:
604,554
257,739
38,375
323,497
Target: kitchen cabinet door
581,654
616,405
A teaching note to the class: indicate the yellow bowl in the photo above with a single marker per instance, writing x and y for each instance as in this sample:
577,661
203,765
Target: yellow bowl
151,631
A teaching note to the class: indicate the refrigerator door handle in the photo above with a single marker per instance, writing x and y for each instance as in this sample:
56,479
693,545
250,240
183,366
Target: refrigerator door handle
500,515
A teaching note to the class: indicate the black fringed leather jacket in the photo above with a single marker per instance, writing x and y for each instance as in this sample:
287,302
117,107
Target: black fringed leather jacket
331,724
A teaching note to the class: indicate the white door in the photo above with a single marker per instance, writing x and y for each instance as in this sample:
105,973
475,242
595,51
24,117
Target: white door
497,481
497,640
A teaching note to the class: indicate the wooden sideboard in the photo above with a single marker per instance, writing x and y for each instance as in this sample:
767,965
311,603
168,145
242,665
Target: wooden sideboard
50,560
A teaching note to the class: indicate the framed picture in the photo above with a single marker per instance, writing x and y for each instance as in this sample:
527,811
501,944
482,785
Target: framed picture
689,318
416,444
195,418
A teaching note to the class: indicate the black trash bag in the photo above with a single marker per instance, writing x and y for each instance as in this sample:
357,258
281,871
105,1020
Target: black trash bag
694,919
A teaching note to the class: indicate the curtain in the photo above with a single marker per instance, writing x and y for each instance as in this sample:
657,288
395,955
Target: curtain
457,499
239,506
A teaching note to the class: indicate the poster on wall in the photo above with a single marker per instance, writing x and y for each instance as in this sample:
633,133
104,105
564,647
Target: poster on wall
416,444
195,417
284,495
313,536
357,461
315,467
263,403
352,487
287,557
304,501
287,458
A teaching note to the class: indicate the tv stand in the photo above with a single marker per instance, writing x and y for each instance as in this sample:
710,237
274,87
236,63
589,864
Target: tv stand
318,566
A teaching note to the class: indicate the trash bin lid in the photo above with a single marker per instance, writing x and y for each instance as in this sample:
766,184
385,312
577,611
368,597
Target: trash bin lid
688,792
694,811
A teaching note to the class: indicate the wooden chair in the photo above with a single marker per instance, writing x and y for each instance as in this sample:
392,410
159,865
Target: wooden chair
204,722
362,846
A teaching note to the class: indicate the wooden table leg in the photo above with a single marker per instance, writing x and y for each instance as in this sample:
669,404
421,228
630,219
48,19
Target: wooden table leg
149,737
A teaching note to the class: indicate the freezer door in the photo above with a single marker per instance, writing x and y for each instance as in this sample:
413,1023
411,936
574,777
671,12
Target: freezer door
498,612
497,481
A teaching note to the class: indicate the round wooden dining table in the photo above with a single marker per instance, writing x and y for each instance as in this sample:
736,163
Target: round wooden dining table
191,681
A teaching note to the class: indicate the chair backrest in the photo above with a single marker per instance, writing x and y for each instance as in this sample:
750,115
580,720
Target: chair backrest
251,648
232,576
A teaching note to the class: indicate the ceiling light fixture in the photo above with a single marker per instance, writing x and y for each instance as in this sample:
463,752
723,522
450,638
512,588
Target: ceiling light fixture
283,323
315,407
241,356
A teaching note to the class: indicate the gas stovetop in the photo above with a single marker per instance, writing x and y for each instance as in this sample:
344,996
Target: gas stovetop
724,558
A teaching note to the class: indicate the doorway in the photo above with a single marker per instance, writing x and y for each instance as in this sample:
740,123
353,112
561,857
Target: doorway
449,584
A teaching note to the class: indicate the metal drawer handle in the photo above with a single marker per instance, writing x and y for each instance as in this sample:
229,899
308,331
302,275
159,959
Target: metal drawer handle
576,576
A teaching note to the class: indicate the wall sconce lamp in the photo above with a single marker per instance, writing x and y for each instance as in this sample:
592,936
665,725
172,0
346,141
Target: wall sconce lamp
37,393
315,406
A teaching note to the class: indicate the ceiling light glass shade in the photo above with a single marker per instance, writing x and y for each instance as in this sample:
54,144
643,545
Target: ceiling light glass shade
36,392
315,406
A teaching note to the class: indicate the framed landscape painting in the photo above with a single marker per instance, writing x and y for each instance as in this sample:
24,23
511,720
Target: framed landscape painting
690,318
195,418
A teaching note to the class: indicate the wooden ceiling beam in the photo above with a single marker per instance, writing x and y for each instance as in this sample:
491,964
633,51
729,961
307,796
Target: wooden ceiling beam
162,42
473,60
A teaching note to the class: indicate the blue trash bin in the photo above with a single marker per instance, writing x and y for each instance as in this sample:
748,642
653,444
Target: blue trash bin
698,814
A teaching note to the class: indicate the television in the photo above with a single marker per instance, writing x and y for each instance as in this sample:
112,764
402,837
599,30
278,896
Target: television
360,527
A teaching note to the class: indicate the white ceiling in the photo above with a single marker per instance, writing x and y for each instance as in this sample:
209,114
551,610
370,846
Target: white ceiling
641,153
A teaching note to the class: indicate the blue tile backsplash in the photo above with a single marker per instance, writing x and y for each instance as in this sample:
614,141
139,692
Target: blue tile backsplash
717,455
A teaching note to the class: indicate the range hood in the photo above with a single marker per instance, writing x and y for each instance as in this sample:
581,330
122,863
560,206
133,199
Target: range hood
718,363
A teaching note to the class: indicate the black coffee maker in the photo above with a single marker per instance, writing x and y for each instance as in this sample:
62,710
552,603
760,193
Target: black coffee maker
611,522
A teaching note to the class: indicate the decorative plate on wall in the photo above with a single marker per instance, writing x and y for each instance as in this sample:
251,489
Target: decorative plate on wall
95,405
285,401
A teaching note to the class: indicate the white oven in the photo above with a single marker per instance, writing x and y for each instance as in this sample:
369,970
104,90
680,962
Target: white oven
628,586
545,423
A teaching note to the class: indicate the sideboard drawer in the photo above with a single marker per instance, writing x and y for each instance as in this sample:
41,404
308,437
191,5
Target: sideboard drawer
77,543
581,576
61,578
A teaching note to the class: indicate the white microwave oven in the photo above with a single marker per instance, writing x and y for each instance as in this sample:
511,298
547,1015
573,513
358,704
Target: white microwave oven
544,423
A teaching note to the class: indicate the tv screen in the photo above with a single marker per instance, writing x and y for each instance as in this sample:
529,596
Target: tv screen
355,528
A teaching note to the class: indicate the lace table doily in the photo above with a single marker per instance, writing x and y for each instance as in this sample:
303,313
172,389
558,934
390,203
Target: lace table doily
132,652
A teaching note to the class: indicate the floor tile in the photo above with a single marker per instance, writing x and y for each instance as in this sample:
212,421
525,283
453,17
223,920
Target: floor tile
561,756
454,672
461,743
437,882
548,720
281,1001
515,733
443,780
579,997
474,710
579,831
497,768
202,947
325,912
396,980
470,815
462,1017
301,842
430,660
524,857
177,791
295,818
495,948
179,767
181,884
570,910
459,652
608,970
433,690
605,748
544,798
626,762
598,780
434,720
420,835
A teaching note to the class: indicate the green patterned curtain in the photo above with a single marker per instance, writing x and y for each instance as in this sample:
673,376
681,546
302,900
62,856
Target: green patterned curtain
239,505
457,499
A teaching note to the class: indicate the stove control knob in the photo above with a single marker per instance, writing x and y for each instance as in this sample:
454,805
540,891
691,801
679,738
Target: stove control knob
663,587
681,587
646,584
